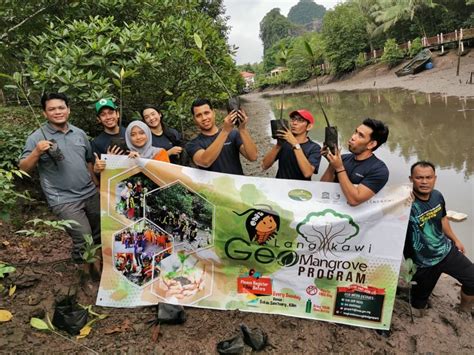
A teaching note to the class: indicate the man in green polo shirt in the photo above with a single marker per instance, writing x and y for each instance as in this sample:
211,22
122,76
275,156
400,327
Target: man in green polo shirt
63,156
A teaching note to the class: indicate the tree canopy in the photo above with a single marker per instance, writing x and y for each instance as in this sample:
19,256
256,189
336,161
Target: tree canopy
274,27
81,51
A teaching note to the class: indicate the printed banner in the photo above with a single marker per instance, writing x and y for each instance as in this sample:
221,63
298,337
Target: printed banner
186,236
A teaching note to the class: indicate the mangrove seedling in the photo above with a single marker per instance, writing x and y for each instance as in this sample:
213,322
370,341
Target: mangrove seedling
41,227
407,272
90,250
233,102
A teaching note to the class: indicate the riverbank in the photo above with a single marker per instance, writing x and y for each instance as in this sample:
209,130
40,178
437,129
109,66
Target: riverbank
441,79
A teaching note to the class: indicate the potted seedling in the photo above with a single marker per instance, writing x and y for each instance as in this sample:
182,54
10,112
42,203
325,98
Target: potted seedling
330,132
233,103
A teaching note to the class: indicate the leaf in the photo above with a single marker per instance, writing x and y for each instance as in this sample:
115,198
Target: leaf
5,315
12,290
167,92
85,331
38,324
49,323
198,41
122,73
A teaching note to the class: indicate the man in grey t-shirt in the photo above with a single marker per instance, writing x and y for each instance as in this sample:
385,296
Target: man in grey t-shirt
63,156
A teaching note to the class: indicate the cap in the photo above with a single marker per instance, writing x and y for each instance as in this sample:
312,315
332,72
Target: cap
104,103
305,114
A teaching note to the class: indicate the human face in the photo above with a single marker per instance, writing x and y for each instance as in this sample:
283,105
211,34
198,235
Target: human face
361,140
108,117
299,125
152,118
423,179
138,137
204,117
57,112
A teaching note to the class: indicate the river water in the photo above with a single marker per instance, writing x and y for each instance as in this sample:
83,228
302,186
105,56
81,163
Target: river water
422,127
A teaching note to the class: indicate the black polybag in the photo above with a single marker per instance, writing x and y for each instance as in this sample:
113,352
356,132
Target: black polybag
233,346
171,314
69,316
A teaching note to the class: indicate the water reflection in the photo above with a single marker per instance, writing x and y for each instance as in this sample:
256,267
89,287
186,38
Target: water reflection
423,126
428,126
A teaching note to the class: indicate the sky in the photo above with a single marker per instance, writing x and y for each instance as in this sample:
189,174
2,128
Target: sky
245,17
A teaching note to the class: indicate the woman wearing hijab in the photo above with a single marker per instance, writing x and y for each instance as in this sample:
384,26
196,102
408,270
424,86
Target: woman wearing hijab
138,139
139,142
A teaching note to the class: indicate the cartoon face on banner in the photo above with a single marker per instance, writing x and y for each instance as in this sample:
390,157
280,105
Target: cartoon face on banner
262,224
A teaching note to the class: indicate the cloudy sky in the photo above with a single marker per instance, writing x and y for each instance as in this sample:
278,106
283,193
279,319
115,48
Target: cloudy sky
245,17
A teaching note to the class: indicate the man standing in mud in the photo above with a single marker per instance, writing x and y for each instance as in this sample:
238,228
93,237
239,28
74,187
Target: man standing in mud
298,156
432,244
63,156
217,149
360,173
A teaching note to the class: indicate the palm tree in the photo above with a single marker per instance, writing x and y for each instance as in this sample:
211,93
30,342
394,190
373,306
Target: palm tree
389,12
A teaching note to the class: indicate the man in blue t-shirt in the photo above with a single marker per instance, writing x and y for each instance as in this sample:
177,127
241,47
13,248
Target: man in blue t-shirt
361,174
298,156
432,244
217,149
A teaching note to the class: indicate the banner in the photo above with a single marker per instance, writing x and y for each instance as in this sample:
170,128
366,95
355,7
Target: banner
186,236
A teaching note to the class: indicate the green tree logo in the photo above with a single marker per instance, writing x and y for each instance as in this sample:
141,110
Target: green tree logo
326,229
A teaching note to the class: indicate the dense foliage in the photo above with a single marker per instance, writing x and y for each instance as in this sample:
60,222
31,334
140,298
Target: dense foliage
392,54
356,27
345,36
82,51
274,27
305,12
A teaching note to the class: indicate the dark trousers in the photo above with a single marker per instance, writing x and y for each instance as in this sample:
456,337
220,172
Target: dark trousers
455,264
87,213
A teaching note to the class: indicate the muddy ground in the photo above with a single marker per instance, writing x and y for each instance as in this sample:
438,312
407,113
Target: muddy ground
45,274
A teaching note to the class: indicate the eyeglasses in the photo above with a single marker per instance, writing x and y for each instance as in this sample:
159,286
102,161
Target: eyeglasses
298,119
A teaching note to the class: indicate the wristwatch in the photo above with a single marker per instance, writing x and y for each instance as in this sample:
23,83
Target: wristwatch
297,146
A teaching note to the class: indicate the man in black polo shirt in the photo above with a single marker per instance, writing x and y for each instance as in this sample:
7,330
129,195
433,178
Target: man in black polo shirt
361,174
108,116
217,149
298,156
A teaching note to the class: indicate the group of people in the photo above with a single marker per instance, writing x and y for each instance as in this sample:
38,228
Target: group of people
70,183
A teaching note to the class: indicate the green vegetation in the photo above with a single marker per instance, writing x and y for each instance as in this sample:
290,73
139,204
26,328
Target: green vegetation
415,47
80,47
305,12
392,54
351,29
42,228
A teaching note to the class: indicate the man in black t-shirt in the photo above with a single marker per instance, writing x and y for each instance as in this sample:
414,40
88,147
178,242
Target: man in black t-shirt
432,244
361,174
217,149
108,116
298,156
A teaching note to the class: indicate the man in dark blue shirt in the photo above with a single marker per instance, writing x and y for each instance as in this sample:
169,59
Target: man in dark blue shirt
217,149
432,244
361,174
298,156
